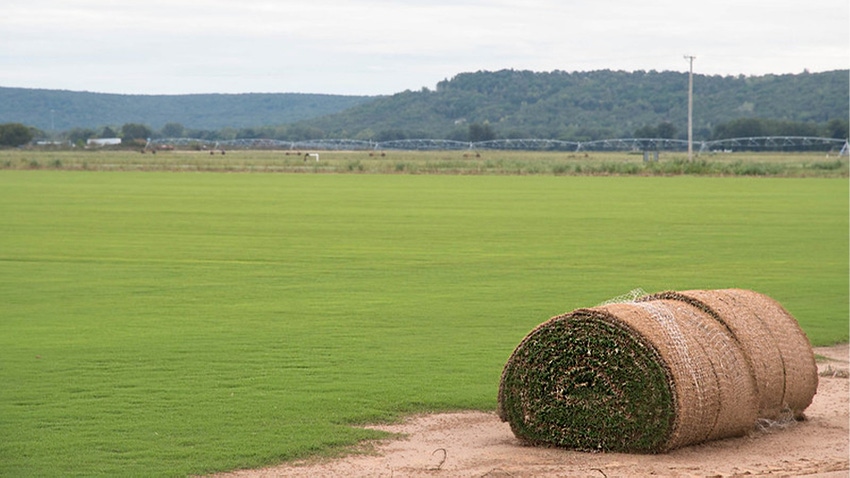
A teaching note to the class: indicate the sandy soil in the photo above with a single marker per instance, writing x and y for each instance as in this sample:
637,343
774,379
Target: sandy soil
476,444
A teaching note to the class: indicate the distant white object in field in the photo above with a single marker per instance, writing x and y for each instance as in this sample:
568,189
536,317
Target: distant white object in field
103,141
316,155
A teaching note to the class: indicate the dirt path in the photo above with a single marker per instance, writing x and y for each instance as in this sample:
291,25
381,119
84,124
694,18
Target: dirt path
476,444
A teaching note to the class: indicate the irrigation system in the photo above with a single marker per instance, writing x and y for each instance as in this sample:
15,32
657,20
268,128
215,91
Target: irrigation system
759,143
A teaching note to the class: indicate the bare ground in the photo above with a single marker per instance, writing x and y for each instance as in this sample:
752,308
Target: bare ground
478,444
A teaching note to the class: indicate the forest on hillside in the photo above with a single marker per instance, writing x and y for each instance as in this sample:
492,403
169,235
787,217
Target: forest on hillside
479,106
585,106
58,110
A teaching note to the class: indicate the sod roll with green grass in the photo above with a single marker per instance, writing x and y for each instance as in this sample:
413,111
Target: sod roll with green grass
657,373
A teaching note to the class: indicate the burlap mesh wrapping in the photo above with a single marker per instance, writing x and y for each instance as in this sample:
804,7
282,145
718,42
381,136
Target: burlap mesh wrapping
655,374
801,371
754,338
778,351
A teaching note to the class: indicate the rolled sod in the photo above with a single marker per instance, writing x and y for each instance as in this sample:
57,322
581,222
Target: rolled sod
778,351
645,376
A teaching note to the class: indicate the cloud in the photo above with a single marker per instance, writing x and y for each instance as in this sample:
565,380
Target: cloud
382,46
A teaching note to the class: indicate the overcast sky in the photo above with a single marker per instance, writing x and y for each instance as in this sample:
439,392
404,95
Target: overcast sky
380,47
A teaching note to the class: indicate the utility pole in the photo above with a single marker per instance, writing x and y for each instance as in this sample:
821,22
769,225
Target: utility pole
691,108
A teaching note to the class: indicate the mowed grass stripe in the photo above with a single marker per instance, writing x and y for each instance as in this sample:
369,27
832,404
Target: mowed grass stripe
174,324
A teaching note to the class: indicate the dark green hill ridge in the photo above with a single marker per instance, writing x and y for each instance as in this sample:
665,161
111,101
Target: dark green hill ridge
590,105
63,110
570,106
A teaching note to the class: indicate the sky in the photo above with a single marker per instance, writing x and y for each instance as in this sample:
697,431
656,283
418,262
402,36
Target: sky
382,47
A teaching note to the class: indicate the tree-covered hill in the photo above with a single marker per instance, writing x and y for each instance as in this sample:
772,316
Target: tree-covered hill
570,106
591,105
63,110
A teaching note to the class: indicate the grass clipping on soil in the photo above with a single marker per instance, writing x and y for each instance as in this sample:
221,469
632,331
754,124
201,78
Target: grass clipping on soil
657,373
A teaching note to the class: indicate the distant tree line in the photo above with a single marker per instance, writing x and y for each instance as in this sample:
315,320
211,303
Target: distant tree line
136,134
587,106
512,104
754,127
16,134
58,110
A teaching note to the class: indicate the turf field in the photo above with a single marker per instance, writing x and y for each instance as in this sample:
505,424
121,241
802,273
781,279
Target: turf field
167,324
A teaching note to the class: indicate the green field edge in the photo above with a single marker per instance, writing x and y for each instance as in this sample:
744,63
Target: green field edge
774,164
